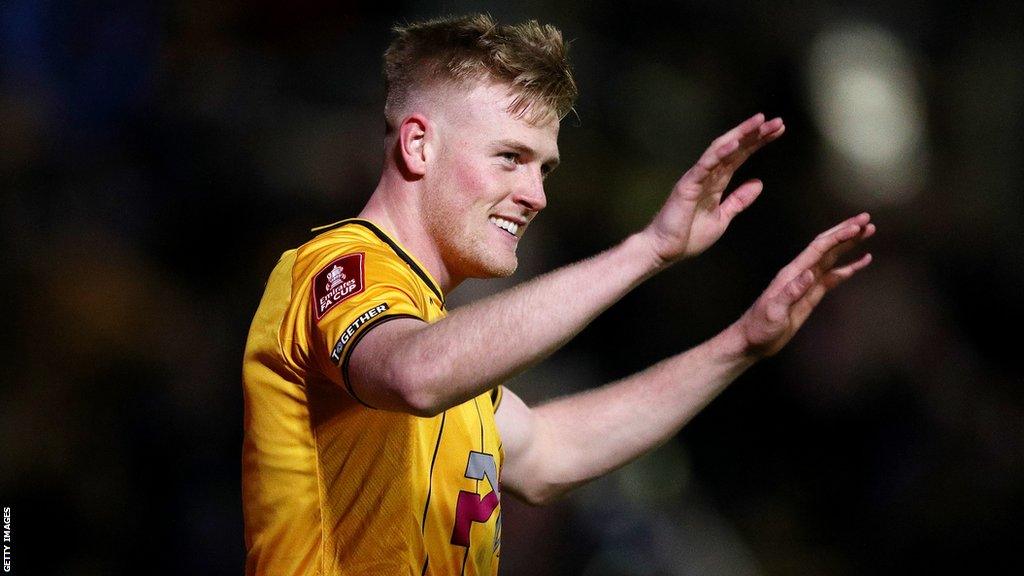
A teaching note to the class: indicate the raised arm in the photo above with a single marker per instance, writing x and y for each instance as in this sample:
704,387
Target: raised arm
569,441
408,366
695,215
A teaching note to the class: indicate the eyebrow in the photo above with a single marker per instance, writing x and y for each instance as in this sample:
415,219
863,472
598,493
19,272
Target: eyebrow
518,146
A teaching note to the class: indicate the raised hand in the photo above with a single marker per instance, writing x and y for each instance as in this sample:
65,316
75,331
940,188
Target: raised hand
695,215
791,297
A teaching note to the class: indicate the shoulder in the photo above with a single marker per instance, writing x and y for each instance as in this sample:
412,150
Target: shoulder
354,257
345,238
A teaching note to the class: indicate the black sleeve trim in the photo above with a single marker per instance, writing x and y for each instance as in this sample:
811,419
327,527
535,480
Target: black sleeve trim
401,254
496,396
352,346
394,247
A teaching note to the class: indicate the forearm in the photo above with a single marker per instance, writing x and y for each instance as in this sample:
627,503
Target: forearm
482,344
422,370
574,439
583,436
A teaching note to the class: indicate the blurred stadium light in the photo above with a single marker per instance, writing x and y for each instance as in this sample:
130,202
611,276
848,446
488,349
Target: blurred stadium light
866,100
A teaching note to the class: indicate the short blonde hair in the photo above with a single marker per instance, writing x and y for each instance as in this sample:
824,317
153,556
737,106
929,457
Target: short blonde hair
531,58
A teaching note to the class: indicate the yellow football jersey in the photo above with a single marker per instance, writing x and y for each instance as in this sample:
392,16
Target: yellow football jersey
331,485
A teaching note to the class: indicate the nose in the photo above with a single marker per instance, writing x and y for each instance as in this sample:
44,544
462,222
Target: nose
531,193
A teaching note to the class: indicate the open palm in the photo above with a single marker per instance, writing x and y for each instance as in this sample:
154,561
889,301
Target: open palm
795,291
695,216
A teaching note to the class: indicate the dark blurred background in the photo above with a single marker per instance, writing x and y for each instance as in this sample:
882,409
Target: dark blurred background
156,159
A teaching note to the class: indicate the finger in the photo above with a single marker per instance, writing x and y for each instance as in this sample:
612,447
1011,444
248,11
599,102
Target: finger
712,158
837,276
812,257
829,281
780,305
740,199
833,255
821,246
797,287
727,152
869,231
862,219
725,145
749,125
822,267
771,128
753,141
773,136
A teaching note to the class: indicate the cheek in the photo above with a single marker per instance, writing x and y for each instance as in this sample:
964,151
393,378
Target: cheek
472,178
472,181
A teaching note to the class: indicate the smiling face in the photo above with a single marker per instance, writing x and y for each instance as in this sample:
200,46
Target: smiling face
487,180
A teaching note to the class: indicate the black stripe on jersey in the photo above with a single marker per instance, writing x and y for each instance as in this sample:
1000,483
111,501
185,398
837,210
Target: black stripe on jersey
331,226
464,558
401,254
352,346
430,478
425,564
395,247
496,397
476,402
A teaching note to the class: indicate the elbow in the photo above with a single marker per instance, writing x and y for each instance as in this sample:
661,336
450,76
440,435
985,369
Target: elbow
410,391
541,491
538,497
543,495
391,370
422,405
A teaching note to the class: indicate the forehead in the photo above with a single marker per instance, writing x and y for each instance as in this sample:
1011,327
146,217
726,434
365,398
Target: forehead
483,112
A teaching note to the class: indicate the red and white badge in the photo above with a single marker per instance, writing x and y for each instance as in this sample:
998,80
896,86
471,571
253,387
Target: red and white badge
337,282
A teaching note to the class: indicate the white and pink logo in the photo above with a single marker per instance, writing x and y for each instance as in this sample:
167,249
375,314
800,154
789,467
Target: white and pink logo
337,282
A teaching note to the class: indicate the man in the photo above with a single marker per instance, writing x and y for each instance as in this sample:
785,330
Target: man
378,436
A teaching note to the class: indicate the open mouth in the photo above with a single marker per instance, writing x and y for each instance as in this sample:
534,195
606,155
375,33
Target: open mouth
510,227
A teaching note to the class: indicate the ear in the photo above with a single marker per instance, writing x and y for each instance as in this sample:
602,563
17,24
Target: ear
413,136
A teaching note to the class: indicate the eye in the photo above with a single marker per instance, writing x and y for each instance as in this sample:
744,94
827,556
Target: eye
547,169
511,158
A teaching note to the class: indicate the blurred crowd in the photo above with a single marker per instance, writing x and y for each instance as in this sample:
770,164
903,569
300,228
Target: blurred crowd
155,159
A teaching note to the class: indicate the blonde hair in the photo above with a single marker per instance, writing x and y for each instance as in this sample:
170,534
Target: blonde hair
530,58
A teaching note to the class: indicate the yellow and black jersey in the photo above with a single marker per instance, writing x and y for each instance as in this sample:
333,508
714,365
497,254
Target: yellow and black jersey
331,485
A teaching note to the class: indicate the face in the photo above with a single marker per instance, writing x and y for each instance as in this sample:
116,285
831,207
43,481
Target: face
486,181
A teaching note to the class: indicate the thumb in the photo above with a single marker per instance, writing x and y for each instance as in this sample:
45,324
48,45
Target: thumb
793,291
740,199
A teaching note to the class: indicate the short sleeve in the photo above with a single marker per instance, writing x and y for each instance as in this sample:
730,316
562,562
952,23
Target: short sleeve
350,293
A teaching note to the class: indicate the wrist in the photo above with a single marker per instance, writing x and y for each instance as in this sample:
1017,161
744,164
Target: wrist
642,244
734,346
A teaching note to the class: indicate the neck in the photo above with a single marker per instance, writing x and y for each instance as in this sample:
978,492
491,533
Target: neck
394,207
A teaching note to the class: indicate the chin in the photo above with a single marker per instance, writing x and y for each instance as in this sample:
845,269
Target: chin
483,261
507,270
495,268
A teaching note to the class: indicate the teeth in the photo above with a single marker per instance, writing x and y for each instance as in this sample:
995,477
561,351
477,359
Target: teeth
510,227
